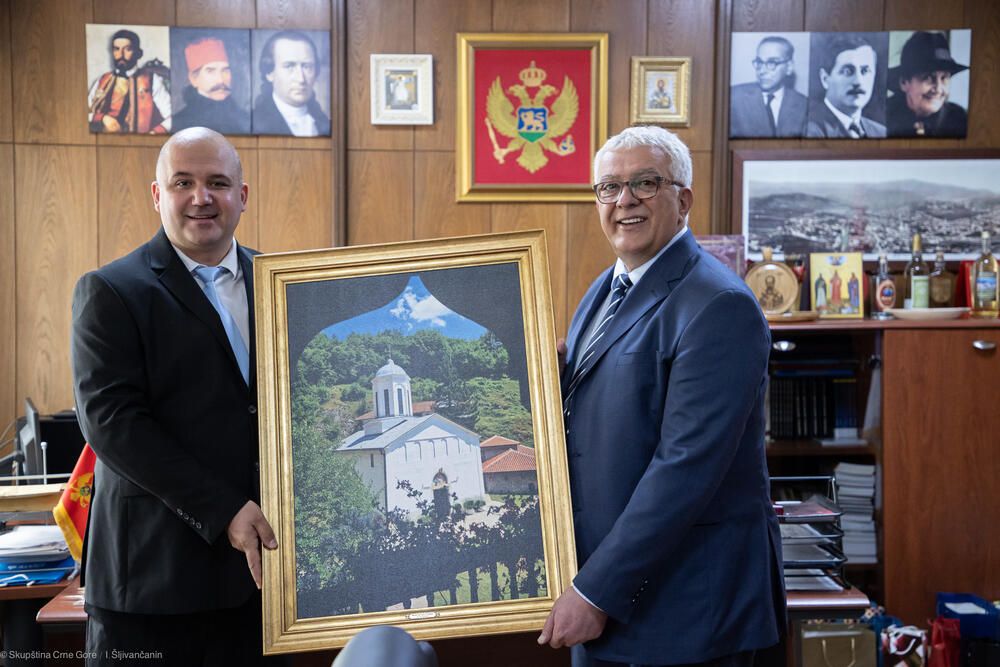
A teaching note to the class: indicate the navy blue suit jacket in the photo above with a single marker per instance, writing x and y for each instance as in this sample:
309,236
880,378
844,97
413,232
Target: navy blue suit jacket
675,534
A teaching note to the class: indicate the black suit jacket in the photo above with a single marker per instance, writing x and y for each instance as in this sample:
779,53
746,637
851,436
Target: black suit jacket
268,120
162,402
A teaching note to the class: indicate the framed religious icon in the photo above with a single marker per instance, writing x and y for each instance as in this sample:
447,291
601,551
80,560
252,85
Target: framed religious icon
412,455
402,89
532,111
661,91
836,284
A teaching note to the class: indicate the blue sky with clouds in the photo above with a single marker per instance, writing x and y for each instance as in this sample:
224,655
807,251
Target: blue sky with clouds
411,311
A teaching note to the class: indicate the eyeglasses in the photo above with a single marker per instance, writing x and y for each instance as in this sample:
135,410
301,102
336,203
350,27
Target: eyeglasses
608,192
770,64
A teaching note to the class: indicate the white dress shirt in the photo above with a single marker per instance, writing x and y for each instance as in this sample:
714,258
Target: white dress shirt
230,286
299,120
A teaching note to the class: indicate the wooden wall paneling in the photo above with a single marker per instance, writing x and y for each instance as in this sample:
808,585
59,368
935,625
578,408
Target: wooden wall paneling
6,100
380,206
700,219
125,215
216,14
687,28
626,38
843,15
551,218
531,16
757,16
374,27
588,254
909,15
437,22
49,71
8,273
248,232
301,14
984,97
436,214
294,202
130,12
56,242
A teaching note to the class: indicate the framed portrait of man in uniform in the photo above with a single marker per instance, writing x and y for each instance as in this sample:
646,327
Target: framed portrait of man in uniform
128,79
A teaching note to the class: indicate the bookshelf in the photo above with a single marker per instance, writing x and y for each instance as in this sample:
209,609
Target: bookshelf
935,452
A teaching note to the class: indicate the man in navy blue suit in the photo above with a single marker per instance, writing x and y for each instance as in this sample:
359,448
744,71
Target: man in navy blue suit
663,394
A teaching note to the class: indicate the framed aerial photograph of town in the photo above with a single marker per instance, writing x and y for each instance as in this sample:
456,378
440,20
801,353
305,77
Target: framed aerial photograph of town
532,111
412,456
821,200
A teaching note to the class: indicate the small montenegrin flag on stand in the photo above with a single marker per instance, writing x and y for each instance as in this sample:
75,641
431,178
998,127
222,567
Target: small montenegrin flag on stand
71,511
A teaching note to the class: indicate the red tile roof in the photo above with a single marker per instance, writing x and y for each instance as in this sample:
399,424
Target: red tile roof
496,441
511,460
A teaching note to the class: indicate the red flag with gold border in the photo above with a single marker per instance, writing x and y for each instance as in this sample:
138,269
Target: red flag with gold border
74,504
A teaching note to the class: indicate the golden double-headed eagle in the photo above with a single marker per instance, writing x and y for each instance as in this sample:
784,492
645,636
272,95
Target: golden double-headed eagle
532,126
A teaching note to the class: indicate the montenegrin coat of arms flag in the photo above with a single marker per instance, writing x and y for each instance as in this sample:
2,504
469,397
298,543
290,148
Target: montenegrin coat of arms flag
533,127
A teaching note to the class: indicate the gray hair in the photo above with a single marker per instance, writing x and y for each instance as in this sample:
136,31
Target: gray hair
652,136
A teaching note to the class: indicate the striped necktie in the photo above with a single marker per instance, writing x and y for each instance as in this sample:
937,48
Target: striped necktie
208,275
618,290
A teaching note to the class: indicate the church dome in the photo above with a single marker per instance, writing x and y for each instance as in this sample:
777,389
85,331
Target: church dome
391,369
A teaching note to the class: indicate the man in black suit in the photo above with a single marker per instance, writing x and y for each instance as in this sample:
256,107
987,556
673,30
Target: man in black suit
847,69
287,105
771,107
166,397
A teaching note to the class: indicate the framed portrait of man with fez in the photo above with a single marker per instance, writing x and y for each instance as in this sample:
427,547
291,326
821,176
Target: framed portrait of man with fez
532,111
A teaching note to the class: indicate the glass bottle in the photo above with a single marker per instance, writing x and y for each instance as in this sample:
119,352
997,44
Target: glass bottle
942,294
916,286
883,291
984,282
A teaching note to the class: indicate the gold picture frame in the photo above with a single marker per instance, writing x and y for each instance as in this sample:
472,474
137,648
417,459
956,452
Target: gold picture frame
344,493
534,140
661,91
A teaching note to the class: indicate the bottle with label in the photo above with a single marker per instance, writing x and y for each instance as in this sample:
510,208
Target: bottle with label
883,291
984,282
942,282
916,279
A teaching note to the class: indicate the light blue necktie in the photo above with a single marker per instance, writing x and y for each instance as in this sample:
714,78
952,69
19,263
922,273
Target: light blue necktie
208,275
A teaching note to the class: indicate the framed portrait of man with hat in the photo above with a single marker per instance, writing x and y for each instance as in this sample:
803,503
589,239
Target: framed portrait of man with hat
211,79
928,83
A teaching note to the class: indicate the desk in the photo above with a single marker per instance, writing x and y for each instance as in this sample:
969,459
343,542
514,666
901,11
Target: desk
19,605
65,609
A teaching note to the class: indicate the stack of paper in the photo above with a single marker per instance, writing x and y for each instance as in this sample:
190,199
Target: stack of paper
856,496
33,554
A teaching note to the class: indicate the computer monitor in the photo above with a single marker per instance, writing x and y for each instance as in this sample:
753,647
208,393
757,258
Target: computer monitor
29,442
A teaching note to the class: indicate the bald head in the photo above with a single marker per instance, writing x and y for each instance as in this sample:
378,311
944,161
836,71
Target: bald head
199,193
193,136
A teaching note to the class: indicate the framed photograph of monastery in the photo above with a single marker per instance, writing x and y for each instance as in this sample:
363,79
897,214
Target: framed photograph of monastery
532,111
412,455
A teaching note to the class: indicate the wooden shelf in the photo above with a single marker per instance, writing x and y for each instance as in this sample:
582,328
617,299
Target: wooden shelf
814,448
847,325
